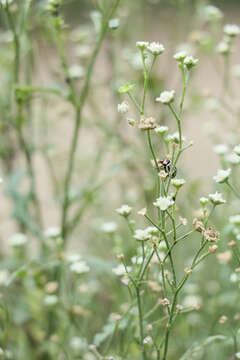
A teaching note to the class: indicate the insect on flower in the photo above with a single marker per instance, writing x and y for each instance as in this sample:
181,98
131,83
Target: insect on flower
166,164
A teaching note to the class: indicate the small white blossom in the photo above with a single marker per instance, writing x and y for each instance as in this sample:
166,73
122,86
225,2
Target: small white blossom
233,158
141,235
50,300
114,23
203,200
180,56
79,267
177,183
147,340
216,198
222,176
234,278
231,30
190,61
142,45
174,137
161,130
235,219
223,48
52,232
152,230
18,240
166,97
123,107
213,13
120,270
109,227
78,344
72,258
163,203
155,48
237,150
220,149
124,210
76,71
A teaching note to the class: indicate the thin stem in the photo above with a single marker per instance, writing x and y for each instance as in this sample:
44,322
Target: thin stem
140,316
233,190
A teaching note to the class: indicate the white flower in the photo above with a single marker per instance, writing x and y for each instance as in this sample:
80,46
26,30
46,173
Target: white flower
114,23
109,227
1,180
124,210
233,158
76,71
235,219
177,183
18,239
147,340
161,130
163,202
220,149
152,230
174,137
155,48
213,13
223,48
216,198
231,30
203,200
120,270
50,300
166,97
78,344
79,267
141,235
123,107
233,278
72,258
5,2
142,44
222,176
180,56
190,61
52,232
237,149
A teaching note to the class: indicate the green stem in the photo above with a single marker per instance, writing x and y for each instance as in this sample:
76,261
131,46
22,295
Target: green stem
233,190
144,356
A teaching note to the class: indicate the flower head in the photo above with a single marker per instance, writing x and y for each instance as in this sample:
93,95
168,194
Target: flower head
124,210
161,130
109,227
203,201
213,13
147,123
223,48
142,45
120,270
177,183
190,62
231,30
237,150
123,107
233,158
155,48
216,198
211,235
142,235
222,176
163,202
79,267
18,240
220,149
180,56
166,97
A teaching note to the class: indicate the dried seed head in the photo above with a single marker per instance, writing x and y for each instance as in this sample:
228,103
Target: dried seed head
212,249
183,221
179,307
223,319
147,123
232,243
165,302
163,175
198,225
211,235
188,270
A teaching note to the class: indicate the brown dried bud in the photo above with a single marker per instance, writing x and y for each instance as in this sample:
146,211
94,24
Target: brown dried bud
232,243
198,225
188,270
211,235
213,249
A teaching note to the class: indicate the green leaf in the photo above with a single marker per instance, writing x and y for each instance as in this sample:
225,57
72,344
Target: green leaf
125,88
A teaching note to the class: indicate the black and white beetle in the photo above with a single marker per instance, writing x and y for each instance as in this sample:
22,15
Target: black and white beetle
165,164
